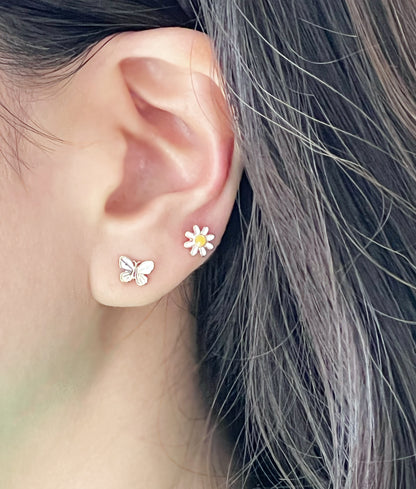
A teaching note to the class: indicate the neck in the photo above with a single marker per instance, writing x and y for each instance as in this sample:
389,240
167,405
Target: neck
124,411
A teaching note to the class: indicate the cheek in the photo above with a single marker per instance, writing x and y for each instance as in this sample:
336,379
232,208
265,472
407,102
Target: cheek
26,241
38,301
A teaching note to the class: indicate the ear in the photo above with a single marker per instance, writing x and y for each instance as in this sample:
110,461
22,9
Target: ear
158,158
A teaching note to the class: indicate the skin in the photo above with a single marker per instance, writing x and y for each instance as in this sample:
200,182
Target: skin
99,383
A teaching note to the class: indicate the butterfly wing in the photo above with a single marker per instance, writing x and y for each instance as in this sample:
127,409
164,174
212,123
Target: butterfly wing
144,269
141,279
128,266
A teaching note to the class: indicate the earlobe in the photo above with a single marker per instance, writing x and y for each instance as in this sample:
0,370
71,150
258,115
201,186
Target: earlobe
178,170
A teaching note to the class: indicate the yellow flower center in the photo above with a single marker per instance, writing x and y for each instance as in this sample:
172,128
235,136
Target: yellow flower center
200,240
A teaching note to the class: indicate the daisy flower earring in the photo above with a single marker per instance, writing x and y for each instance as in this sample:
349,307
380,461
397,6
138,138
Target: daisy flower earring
199,240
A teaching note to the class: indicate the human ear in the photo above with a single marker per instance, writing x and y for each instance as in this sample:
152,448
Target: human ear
156,157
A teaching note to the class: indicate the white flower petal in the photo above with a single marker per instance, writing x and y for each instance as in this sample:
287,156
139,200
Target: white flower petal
194,250
189,235
202,251
210,237
196,230
189,244
209,246
204,230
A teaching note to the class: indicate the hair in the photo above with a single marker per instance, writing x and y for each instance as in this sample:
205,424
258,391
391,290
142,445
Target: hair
306,312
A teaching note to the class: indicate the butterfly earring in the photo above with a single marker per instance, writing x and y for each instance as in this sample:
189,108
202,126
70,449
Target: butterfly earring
135,270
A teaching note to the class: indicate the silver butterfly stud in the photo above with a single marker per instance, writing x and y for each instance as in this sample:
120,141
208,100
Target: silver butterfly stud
135,270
